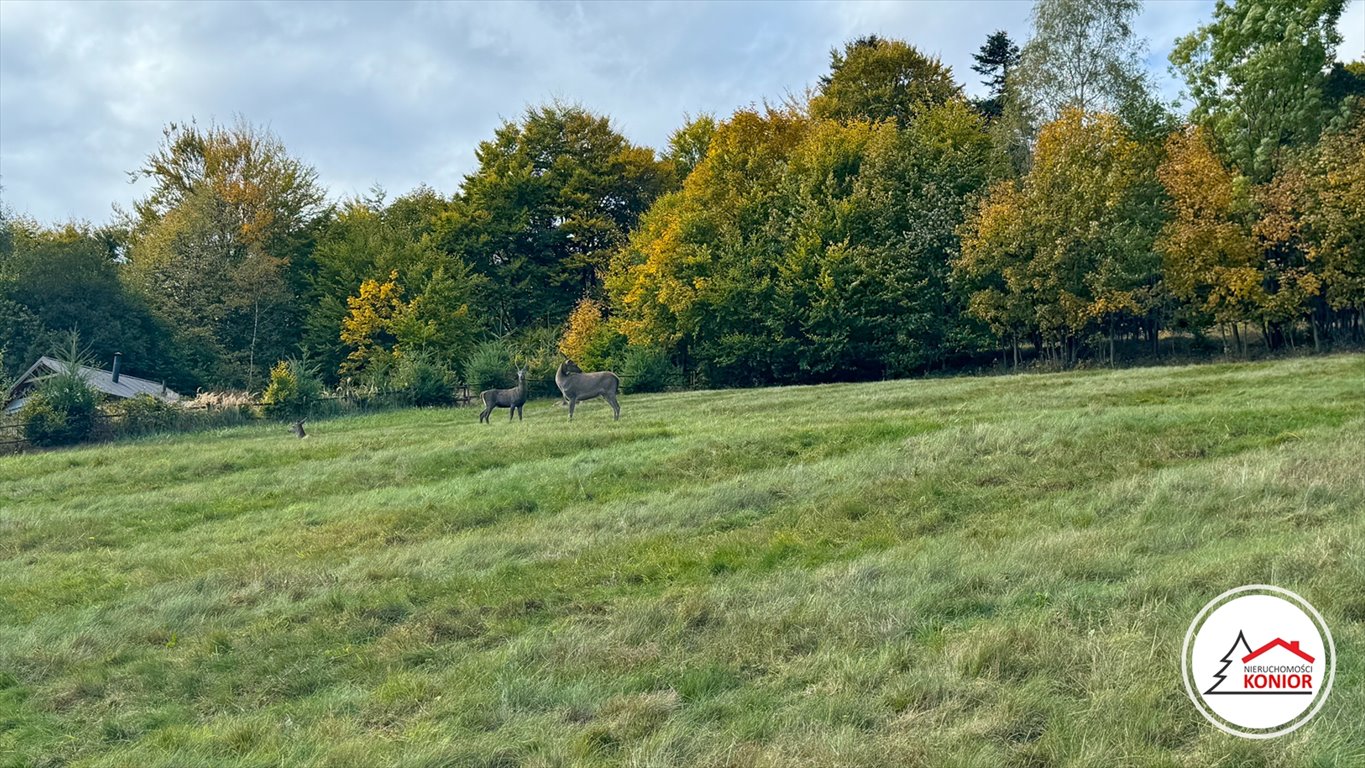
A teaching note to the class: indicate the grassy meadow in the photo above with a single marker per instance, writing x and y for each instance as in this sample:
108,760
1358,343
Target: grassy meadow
971,571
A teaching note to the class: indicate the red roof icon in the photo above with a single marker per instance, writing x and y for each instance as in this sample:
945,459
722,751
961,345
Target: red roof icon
1291,647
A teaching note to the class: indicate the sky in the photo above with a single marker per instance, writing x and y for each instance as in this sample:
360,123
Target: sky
399,95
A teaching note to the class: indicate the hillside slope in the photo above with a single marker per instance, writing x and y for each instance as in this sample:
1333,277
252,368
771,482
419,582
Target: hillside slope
974,571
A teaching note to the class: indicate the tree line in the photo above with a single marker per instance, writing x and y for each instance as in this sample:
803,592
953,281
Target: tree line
881,224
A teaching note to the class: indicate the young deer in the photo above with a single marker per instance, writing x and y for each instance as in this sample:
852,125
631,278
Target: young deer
513,398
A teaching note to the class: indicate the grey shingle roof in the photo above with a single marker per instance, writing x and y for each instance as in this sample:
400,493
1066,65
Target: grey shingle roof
98,379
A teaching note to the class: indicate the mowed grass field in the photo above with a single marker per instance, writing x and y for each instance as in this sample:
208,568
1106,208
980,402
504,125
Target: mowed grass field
974,571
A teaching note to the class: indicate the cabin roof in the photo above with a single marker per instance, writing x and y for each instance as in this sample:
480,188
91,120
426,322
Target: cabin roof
96,378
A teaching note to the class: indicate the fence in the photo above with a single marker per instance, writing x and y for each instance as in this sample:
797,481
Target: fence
11,438
132,422
111,426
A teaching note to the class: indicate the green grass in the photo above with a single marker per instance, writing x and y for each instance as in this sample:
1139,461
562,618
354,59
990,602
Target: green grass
974,571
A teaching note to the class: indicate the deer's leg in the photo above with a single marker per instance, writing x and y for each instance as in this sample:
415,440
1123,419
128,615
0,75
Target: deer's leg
487,409
615,408
572,402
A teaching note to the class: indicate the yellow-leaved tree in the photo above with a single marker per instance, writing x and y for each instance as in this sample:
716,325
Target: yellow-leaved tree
368,328
585,323
1210,260
1067,251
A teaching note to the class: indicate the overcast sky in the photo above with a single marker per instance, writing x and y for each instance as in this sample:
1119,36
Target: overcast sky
401,94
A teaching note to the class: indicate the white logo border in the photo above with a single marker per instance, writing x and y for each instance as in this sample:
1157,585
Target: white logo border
1298,601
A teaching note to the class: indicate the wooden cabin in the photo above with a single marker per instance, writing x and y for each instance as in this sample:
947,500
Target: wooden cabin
110,383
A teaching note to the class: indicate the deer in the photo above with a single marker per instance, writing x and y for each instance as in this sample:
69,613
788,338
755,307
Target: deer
513,399
577,385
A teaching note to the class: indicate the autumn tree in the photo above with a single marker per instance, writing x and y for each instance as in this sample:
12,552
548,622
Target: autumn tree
804,249
1068,250
1334,216
369,326
370,238
690,277
425,306
589,335
1310,230
1209,258
220,247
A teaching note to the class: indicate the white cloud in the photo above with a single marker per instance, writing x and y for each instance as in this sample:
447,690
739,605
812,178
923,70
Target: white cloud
402,94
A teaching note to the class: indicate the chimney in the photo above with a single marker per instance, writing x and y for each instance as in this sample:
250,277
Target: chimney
1294,645
118,364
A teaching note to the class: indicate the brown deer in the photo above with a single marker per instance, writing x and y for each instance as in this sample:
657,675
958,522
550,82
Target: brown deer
513,398
577,385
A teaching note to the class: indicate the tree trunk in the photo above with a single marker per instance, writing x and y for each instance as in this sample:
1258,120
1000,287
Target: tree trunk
251,355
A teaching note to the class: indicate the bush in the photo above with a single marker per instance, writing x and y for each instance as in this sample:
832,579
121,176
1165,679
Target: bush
294,390
418,380
143,415
490,367
649,370
61,411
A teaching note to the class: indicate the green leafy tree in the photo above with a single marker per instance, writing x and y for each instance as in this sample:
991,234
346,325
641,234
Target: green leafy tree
369,240
440,321
874,78
1257,75
418,380
1082,55
688,145
55,280
1344,93
554,195
228,307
